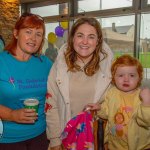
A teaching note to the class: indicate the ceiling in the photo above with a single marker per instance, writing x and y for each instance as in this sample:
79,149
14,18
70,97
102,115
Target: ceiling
49,1
30,1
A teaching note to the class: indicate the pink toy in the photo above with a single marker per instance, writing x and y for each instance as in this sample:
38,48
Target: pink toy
78,133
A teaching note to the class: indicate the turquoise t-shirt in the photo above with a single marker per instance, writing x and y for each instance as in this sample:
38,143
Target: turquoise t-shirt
18,81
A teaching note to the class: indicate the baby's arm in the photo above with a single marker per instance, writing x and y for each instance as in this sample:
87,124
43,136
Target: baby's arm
145,96
143,112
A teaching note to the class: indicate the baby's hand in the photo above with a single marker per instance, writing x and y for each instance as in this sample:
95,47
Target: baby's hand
92,106
145,96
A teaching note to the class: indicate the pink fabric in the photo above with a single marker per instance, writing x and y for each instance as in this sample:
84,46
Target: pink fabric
78,133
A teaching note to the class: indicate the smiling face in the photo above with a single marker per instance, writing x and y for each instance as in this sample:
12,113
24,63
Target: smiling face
28,40
126,78
85,41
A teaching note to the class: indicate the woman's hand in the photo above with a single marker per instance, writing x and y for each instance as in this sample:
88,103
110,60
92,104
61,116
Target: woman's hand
92,106
145,96
23,115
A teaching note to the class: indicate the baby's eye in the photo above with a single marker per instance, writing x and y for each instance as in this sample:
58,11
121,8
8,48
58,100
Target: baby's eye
132,75
120,75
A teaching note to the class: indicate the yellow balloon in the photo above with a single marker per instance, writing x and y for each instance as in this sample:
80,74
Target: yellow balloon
64,24
52,37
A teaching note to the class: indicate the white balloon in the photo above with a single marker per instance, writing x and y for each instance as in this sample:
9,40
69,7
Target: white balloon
50,46
65,36
45,46
59,42
51,53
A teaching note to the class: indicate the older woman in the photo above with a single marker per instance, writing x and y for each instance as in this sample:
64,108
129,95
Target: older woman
23,75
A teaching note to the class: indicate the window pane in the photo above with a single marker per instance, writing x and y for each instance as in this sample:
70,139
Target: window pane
50,27
145,44
49,49
51,10
118,32
91,5
54,38
88,5
148,1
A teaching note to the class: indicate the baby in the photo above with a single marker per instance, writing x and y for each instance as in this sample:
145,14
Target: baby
127,107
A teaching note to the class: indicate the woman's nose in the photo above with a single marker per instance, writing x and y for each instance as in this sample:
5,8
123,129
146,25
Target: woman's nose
85,40
33,37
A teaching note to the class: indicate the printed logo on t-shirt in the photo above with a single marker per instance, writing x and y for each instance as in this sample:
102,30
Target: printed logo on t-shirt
28,83
31,83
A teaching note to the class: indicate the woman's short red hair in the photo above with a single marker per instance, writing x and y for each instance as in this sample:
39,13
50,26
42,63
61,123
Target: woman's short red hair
26,20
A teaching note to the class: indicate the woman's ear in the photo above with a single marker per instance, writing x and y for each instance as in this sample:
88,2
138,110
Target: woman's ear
15,33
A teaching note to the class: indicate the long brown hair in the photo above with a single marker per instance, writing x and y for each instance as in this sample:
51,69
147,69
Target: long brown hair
26,20
71,56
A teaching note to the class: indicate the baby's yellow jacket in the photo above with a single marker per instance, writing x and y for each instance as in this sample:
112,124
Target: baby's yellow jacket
138,127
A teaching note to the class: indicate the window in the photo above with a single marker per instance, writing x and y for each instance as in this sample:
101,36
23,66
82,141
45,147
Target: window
117,18
145,44
118,32
88,5
56,36
51,10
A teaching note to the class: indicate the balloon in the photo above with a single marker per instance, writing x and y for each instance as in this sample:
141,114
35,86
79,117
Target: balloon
59,42
51,52
50,46
52,37
64,24
59,31
65,36
45,46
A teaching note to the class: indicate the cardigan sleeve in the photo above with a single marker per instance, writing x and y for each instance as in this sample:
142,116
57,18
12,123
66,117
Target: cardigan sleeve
103,112
51,109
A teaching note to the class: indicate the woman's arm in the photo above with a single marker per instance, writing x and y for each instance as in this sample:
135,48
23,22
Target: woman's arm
19,116
5,113
51,108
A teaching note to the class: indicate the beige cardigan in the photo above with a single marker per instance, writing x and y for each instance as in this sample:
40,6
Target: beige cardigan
58,87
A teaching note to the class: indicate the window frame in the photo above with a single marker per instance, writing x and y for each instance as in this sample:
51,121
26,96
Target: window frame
138,7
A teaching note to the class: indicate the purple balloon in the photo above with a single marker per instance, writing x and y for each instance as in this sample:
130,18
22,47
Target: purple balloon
59,31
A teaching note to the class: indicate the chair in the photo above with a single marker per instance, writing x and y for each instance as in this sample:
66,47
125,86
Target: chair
99,126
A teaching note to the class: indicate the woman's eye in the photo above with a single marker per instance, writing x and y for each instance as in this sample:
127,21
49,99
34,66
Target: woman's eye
29,32
92,37
79,36
39,34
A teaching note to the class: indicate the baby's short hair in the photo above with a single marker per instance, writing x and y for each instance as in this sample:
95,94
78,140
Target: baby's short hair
127,60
